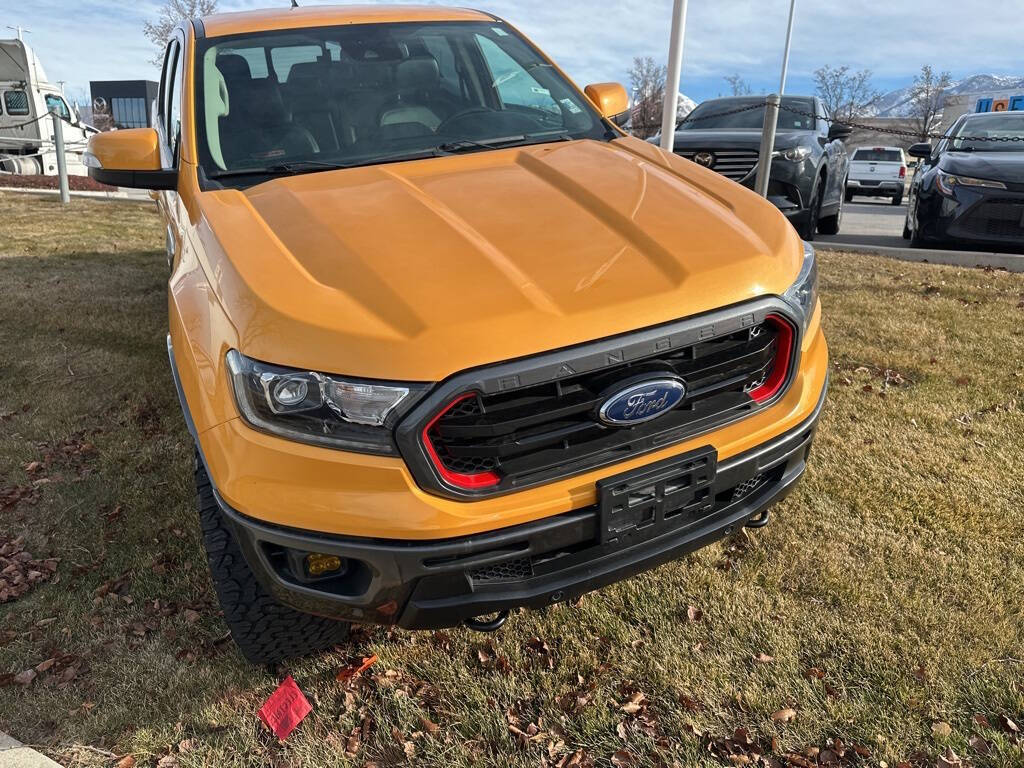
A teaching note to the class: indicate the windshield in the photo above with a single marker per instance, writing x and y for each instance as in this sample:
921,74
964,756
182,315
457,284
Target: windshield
710,115
360,94
995,125
879,155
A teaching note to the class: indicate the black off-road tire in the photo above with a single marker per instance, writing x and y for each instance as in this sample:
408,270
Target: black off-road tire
898,199
264,630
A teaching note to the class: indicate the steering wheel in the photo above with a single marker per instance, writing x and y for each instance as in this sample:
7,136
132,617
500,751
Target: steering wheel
461,114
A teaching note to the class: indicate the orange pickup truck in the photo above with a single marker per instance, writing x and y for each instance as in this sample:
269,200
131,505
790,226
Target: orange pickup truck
448,341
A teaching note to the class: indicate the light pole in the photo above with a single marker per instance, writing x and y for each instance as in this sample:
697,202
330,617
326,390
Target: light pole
785,54
19,29
771,116
675,69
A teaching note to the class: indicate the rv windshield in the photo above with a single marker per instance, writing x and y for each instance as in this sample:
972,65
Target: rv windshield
311,99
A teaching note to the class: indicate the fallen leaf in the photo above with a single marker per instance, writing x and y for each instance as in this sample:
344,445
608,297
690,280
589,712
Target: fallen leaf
815,673
620,729
979,744
634,704
126,762
167,761
1008,725
428,725
693,613
347,673
948,759
622,759
941,730
26,677
191,617
42,666
764,658
784,715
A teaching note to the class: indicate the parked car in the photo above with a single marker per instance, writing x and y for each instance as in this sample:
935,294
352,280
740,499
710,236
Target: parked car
448,341
809,162
968,188
877,172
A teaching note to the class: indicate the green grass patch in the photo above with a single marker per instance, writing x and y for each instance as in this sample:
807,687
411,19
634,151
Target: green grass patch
887,592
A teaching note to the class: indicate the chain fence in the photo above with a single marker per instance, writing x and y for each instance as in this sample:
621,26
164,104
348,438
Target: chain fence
908,134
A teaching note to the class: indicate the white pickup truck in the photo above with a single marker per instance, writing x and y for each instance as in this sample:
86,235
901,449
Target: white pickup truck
877,172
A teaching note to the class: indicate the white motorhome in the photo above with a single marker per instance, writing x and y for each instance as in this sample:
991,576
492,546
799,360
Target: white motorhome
26,129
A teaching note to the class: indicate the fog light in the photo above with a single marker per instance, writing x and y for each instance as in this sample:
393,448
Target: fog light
318,564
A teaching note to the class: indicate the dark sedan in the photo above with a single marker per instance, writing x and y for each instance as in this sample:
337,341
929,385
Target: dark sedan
809,161
969,188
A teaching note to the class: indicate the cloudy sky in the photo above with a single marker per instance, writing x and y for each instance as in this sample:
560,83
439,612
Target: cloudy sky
83,40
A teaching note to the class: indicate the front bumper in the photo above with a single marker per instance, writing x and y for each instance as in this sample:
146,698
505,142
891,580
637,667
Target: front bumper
440,583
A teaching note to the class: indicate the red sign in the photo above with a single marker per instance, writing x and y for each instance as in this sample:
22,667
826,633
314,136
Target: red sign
285,709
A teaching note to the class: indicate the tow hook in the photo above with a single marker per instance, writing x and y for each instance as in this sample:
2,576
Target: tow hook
481,624
760,521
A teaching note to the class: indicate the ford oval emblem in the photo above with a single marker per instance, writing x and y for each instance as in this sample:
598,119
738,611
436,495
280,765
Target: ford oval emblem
642,402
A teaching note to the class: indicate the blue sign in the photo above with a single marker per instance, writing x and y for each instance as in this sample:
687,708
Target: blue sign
1009,104
642,402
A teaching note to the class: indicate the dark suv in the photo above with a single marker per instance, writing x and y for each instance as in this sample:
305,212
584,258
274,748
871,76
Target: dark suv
809,162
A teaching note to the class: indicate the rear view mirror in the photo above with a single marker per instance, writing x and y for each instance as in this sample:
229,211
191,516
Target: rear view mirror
128,158
922,150
611,100
840,132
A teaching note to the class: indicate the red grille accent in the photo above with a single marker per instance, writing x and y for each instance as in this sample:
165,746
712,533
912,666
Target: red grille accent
780,367
472,481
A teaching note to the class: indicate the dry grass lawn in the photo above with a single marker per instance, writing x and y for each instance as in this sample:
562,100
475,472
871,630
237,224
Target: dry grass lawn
884,605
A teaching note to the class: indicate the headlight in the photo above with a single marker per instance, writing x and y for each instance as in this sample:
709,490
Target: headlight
802,295
793,154
948,181
320,408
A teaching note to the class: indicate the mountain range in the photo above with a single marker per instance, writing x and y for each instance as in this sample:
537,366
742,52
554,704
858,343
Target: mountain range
897,103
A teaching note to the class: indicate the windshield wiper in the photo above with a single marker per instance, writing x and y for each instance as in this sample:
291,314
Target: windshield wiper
523,140
299,166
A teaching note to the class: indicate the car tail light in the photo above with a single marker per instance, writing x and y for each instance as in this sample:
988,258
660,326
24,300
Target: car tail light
783,360
903,171
463,480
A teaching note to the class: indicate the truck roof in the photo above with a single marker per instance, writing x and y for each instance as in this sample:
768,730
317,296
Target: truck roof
218,24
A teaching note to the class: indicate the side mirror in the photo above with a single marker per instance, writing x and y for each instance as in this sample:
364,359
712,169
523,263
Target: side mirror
840,132
611,100
922,150
128,158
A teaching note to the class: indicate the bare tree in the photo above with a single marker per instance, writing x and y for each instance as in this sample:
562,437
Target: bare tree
648,82
927,98
172,13
846,95
740,87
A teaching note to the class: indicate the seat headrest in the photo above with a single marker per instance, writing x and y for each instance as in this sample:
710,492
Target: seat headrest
419,73
307,70
233,67
260,101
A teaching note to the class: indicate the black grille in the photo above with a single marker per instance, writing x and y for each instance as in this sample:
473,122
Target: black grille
735,164
998,218
552,429
510,570
747,487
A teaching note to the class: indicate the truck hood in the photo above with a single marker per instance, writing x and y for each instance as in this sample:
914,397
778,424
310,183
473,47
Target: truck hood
741,138
420,269
1007,167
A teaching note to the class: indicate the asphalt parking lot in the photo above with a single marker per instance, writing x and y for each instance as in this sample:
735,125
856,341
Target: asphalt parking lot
871,221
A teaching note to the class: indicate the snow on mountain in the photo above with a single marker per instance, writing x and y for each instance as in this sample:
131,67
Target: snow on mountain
897,103
684,106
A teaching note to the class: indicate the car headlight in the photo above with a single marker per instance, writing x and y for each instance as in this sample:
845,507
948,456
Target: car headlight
947,182
793,154
320,408
802,295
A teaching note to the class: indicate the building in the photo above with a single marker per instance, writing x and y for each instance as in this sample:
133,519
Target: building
122,103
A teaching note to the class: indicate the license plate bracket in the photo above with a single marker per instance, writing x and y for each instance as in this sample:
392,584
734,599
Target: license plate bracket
648,501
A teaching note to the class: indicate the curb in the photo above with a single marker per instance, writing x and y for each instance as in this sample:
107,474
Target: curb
971,259
14,754
121,194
